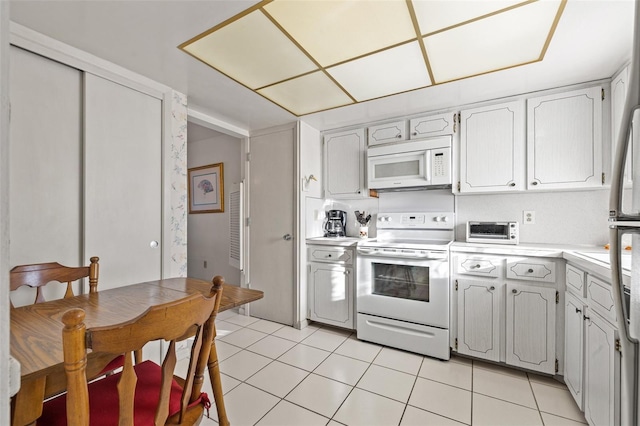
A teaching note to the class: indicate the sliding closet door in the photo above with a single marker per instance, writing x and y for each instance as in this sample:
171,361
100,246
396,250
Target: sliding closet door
123,182
46,165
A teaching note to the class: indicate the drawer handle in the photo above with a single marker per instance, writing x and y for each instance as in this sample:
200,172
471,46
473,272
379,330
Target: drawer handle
578,311
514,291
530,271
328,255
477,266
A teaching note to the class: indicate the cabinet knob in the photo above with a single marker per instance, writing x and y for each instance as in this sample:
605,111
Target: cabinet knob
534,183
578,311
477,266
512,184
492,288
530,271
514,291
399,136
328,255
287,237
415,133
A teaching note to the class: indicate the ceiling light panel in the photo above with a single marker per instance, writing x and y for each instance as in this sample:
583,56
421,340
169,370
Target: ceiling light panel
333,31
385,73
504,40
309,93
434,16
252,51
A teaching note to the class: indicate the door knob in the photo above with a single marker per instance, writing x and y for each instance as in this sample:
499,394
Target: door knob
153,244
287,237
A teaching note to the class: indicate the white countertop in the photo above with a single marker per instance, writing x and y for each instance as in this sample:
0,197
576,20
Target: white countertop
334,241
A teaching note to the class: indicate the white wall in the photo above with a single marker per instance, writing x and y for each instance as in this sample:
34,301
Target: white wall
560,217
208,233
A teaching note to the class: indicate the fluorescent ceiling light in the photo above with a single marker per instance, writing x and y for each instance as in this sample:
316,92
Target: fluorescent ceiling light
312,55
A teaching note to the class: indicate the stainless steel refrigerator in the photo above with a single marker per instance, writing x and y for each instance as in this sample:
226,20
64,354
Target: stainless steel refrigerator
624,224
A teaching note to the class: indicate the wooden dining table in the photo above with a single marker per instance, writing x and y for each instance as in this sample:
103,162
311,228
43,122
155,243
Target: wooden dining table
36,336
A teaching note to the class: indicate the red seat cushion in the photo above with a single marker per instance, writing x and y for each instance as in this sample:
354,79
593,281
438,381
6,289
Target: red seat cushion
103,399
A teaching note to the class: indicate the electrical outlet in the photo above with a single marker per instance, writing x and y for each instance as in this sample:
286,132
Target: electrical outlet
528,217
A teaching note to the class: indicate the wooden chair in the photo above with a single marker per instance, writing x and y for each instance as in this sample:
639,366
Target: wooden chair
39,275
147,393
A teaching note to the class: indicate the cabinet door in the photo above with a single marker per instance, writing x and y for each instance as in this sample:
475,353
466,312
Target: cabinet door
387,132
479,317
123,182
619,87
602,364
432,125
331,294
345,156
531,327
492,148
574,347
564,140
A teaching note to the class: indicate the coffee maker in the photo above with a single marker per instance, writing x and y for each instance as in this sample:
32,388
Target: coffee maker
335,224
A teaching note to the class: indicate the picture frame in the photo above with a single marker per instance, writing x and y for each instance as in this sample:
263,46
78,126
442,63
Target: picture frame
206,189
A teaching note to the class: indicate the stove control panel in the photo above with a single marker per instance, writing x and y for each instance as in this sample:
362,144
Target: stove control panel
421,220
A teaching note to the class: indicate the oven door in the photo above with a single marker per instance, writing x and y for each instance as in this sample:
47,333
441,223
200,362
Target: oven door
413,290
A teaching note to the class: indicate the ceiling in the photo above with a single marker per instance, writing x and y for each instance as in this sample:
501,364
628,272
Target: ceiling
592,41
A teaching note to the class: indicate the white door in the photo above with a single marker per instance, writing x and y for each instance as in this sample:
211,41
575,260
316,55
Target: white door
46,166
479,312
272,207
492,148
531,327
123,182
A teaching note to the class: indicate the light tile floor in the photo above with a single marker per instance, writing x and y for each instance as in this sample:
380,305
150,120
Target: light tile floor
277,375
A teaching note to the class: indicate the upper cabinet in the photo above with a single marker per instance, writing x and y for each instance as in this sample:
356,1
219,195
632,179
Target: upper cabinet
492,148
344,164
389,132
561,141
433,125
564,140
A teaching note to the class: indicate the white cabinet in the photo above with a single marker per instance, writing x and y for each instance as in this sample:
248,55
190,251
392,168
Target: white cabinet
619,87
331,286
592,357
433,125
505,318
602,372
531,327
564,140
492,140
479,318
388,132
574,311
344,164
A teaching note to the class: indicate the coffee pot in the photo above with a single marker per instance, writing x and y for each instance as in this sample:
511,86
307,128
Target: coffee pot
335,223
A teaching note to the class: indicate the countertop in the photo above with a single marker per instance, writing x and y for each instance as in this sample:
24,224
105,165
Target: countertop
334,241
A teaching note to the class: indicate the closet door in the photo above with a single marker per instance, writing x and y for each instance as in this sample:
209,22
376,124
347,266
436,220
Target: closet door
45,203
123,182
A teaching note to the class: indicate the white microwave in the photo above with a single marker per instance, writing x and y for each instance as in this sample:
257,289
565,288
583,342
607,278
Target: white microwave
493,232
418,164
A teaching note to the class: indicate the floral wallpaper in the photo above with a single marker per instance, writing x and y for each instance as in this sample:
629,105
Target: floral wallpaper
178,180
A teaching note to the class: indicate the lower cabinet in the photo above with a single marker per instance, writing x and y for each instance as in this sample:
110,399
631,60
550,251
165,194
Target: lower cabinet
592,357
531,327
331,286
479,318
505,318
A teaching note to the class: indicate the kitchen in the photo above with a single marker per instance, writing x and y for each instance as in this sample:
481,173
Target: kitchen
551,209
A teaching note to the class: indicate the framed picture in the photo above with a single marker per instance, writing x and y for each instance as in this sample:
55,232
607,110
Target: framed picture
206,189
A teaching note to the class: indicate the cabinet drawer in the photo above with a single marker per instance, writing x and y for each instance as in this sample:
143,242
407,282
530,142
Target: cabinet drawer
532,270
600,297
480,266
388,132
331,254
575,281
